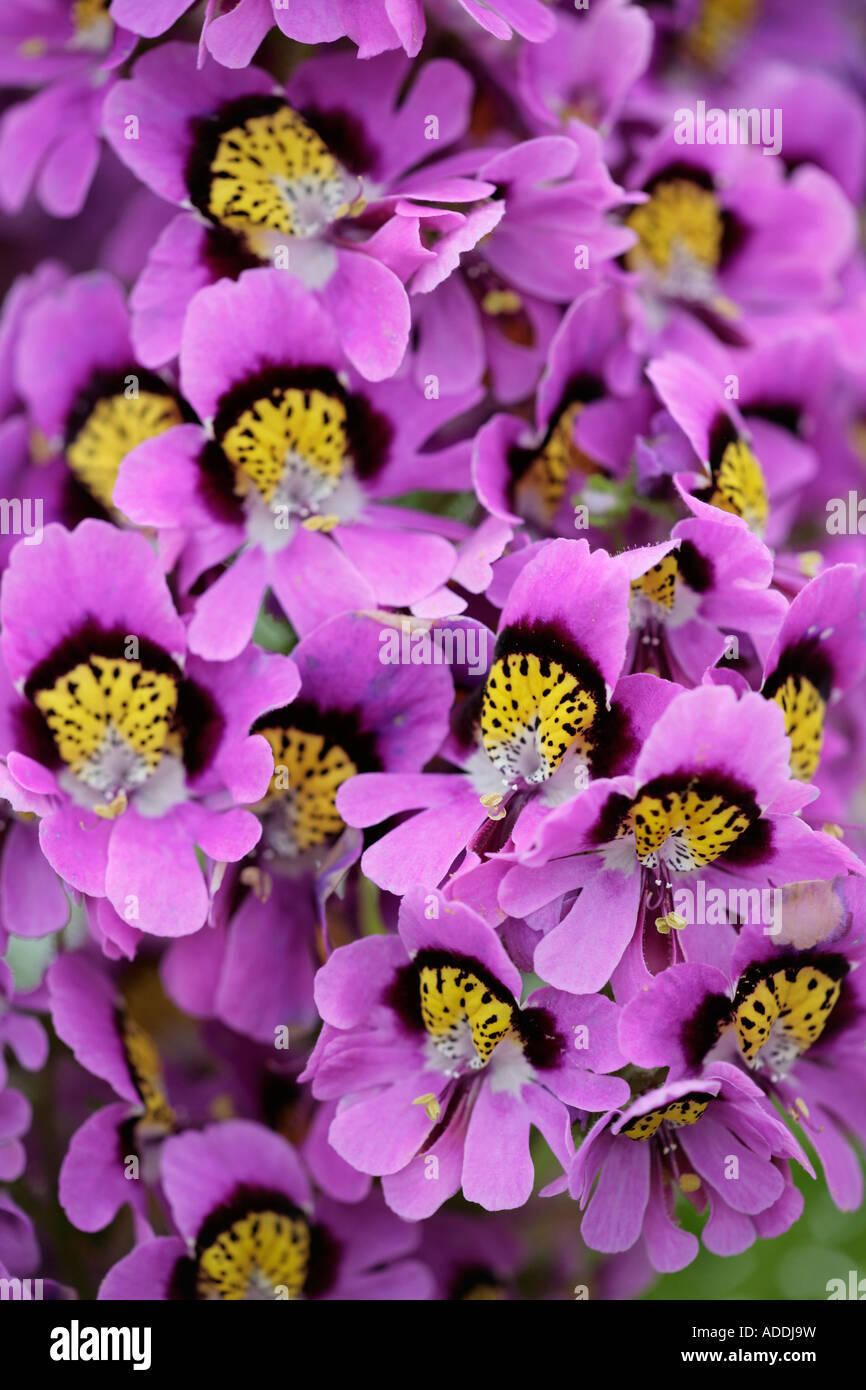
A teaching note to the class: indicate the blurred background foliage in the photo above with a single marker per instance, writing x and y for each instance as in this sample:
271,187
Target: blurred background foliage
824,1244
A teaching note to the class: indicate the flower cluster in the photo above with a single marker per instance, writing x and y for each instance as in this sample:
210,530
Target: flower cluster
433,605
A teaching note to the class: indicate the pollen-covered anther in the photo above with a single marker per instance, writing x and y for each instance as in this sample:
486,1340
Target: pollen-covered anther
258,880
112,809
689,1182
672,921
430,1103
504,301
321,523
32,48
725,306
40,447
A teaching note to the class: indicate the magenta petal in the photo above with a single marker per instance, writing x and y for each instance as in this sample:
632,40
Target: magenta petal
401,567
710,1146
145,1274
154,879
225,836
380,1133
423,849
93,1181
580,954
32,900
50,588
371,309
83,1009
67,174
234,328
350,982
234,37
419,1189
150,20
727,1232
75,843
201,1170
839,1161
330,1172
225,615
268,969
191,969
669,1247
27,1039
497,1168
616,1210
314,581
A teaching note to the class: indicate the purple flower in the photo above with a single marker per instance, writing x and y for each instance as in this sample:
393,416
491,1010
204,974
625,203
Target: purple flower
711,798
788,1007
91,404
685,257
486,299
585,69
292,472
689,594
141,762
589,407
549,714
710,1137
729,476
316,179
440,1069
41,40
